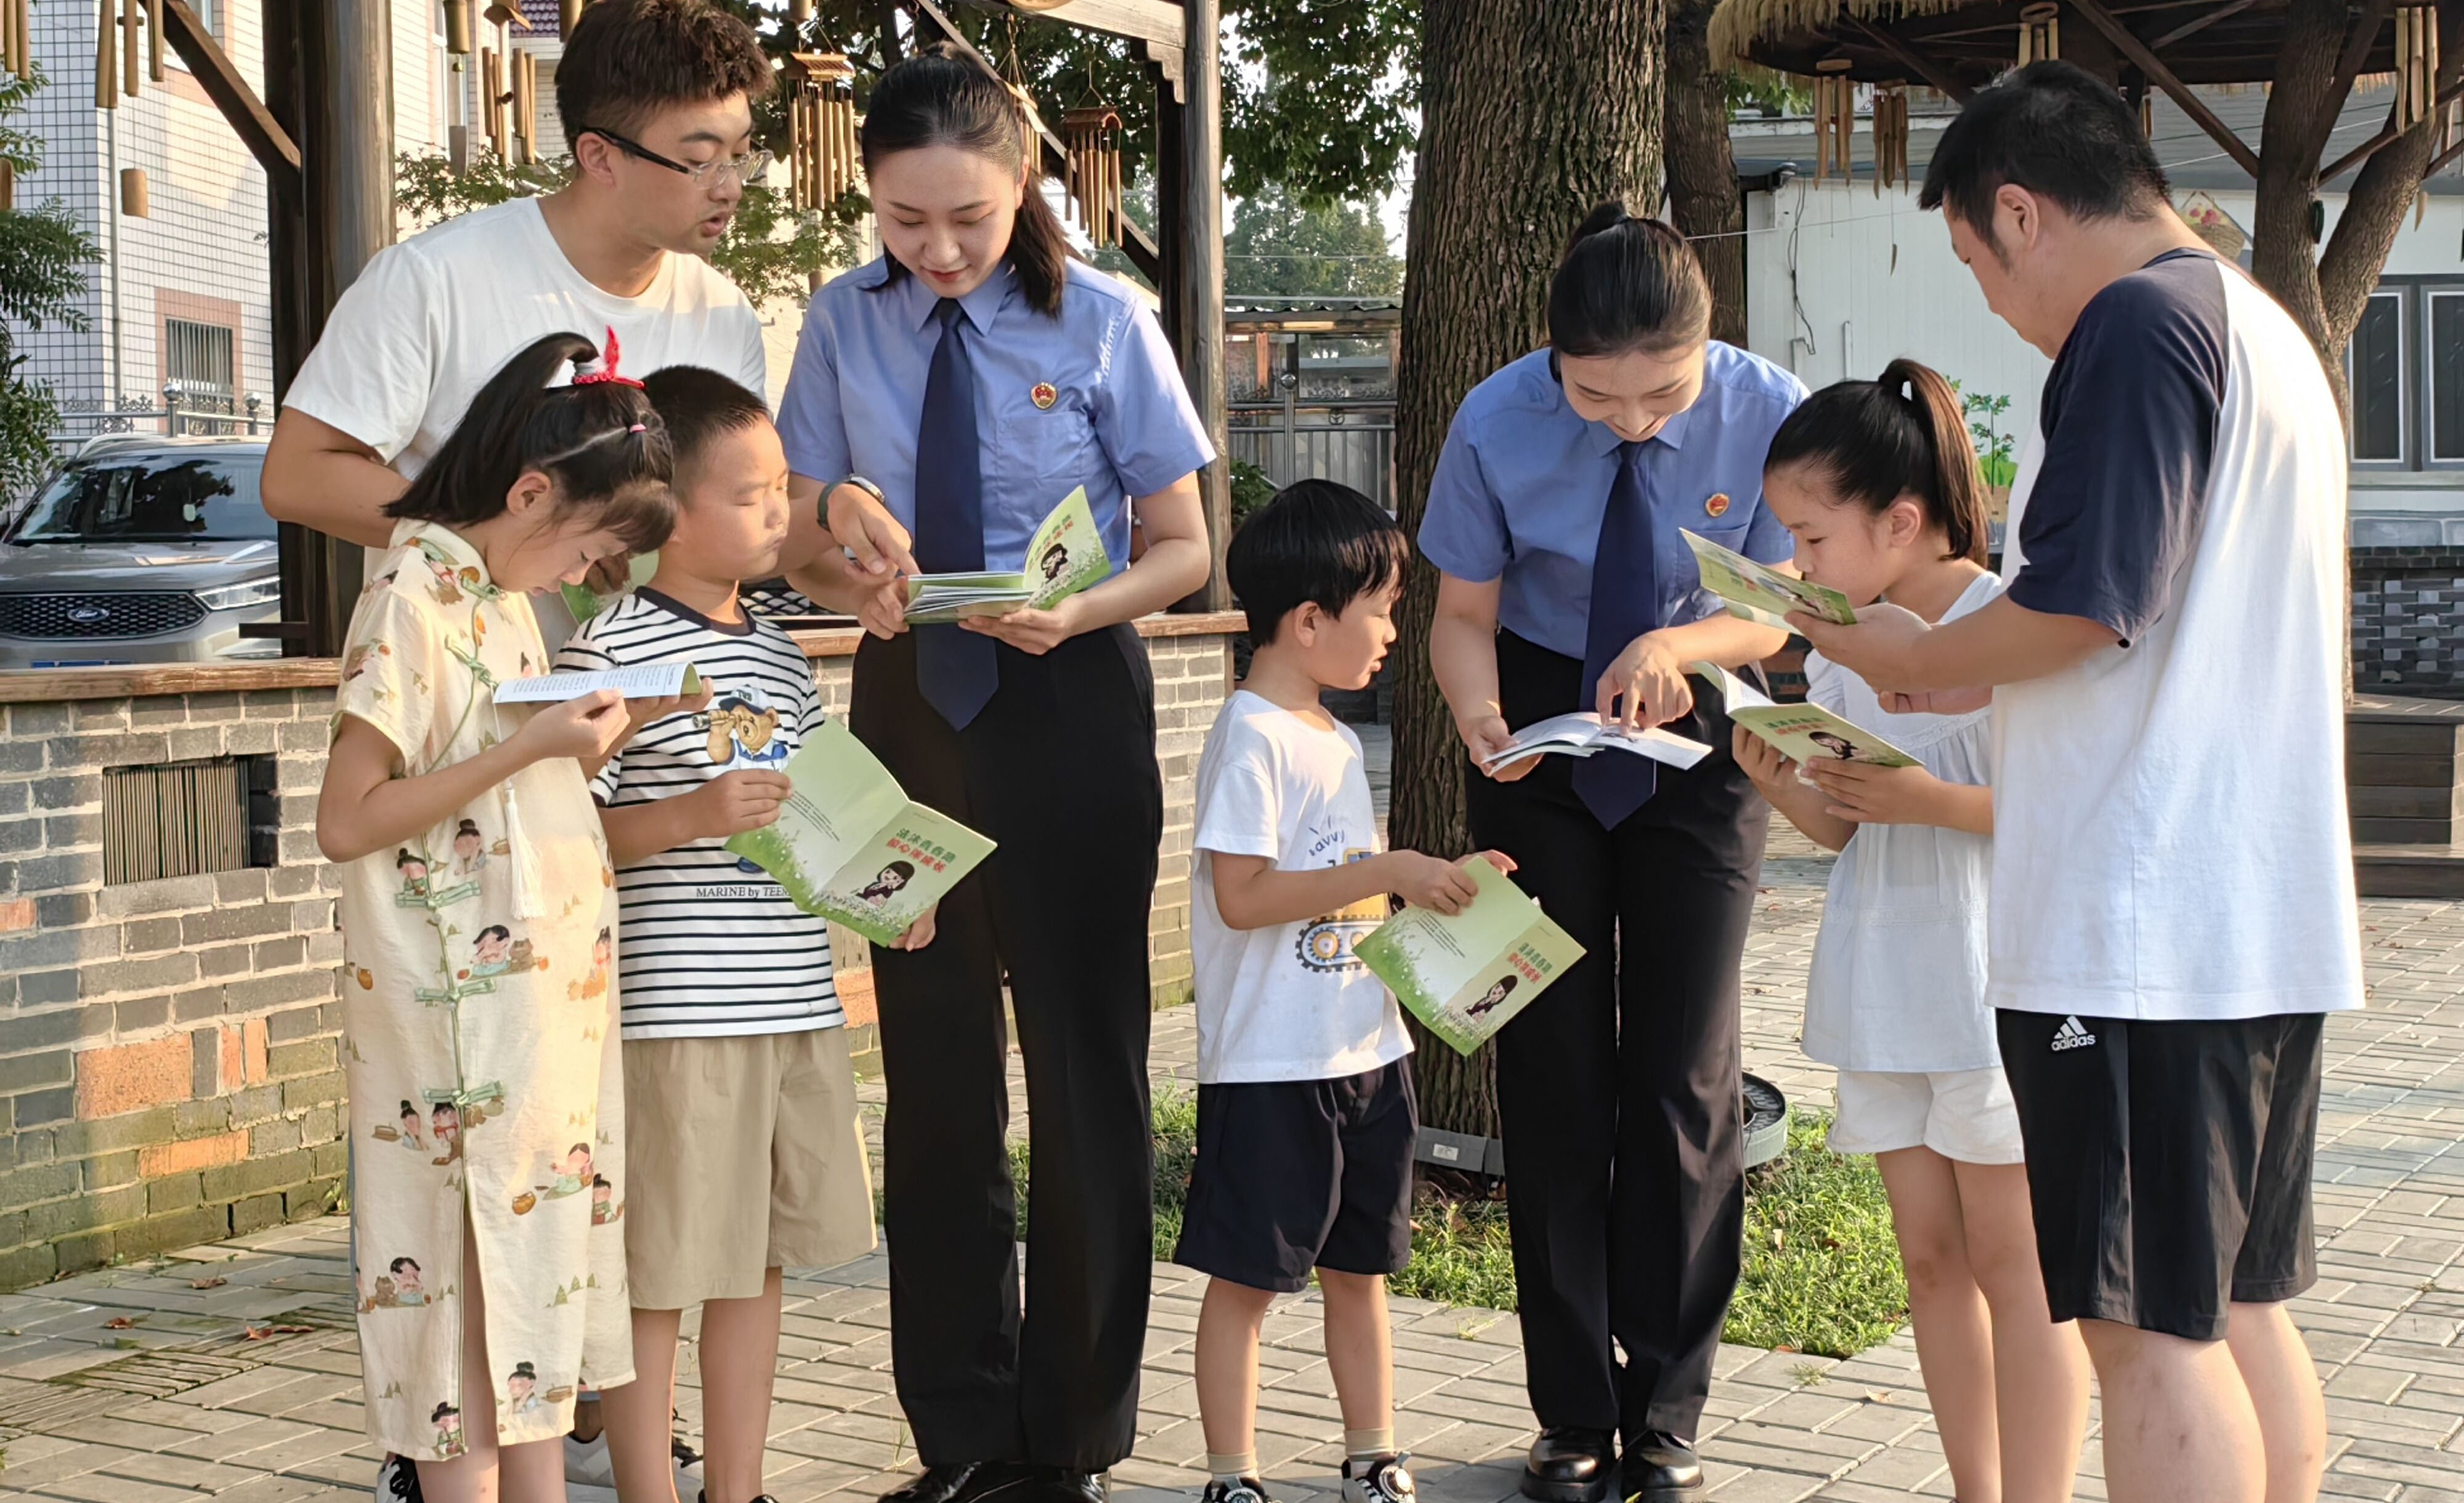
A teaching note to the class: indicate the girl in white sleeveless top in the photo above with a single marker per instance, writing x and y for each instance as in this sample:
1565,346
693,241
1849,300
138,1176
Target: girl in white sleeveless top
1878,484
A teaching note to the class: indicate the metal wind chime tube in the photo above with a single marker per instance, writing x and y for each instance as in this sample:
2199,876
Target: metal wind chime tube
2416,64
2040,33
822,148
457,28
568,15
1890,135
1834,118
153,39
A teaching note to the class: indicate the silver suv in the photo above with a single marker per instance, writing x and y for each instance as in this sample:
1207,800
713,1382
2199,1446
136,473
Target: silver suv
142,549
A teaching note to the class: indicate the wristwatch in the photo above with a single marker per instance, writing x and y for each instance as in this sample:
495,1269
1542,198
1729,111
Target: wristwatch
861,484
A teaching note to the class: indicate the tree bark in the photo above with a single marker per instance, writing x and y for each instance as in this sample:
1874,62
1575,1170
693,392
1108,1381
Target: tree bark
2326,291
1531,111
1703,197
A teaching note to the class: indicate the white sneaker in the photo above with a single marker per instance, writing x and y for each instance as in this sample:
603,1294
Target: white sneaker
588,1465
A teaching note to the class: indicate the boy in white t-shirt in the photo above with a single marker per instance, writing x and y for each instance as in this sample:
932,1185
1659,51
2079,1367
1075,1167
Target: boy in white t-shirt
1306,1121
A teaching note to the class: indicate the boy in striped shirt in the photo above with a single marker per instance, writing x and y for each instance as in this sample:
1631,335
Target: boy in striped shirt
740,1115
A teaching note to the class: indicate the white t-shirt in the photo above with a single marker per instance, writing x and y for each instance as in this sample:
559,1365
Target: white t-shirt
1287,1003
1898,979
431,319
2170,835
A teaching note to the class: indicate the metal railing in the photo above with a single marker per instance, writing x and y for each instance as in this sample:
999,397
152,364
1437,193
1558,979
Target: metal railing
181,412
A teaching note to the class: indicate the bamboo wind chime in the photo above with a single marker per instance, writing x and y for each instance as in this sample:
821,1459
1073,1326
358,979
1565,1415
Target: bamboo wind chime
1890,135
823,153
127,46
17,39
1091,135
2040,33
2416,64
1834,118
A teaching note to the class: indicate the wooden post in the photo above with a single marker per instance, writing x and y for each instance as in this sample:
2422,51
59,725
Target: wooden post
329,85
1197,299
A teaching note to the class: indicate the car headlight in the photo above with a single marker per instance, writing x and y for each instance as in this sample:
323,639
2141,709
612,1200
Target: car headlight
266,592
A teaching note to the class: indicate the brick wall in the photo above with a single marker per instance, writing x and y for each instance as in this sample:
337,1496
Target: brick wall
2409,622
167,1048
169,1069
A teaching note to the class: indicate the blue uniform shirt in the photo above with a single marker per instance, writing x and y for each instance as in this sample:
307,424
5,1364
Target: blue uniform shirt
1090,398
1523,481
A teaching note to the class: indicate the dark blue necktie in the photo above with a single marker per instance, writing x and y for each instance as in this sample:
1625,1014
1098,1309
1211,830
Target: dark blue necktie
954,668
1625,603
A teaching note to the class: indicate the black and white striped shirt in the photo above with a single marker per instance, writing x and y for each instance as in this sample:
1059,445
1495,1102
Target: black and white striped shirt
707,945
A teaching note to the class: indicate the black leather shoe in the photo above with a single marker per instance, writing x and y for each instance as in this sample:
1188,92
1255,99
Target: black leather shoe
1659,1467
964,1482
1569,1465
1058,1484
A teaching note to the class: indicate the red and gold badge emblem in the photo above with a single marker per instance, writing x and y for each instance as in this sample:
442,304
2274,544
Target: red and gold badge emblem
1043,394
1717,505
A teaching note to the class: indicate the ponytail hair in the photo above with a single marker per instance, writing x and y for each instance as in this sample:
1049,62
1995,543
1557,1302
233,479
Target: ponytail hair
941,96
598,440
1903,434
1627,284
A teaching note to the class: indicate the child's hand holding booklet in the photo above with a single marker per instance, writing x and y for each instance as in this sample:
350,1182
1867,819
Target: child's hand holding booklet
1466,975
850,845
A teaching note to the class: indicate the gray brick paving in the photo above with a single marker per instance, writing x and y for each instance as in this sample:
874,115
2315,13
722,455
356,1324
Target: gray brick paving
2385,1321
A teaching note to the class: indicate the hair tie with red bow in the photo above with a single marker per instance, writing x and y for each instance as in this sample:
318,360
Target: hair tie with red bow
606,368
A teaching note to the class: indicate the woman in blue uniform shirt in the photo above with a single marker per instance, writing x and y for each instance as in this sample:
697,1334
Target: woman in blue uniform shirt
1553,520
952,394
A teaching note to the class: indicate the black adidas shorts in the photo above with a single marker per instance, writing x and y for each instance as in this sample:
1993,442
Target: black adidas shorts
2169,1163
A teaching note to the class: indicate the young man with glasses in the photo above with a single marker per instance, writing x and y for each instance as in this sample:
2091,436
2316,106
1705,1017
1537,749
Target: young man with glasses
656,98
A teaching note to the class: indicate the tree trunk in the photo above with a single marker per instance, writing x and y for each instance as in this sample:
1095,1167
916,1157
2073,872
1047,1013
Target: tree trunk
2325,292
1531,111
1703,197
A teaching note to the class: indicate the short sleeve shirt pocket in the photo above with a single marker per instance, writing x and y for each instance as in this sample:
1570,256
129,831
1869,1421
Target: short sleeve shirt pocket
1051,445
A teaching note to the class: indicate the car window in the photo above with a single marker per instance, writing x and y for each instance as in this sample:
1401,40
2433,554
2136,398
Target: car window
151,498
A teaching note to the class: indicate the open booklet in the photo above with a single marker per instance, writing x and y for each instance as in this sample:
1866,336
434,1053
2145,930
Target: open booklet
644,681
1063,557
1759,592
850,845
1466,975
1581,733
1802,733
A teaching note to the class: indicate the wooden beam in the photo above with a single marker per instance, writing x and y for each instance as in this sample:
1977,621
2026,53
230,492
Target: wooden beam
2148,63
1135,244
2200,24
259,130
1937,77
1199,286
2386,138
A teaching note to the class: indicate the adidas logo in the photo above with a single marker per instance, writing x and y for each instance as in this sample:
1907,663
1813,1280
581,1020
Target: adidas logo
2070,1035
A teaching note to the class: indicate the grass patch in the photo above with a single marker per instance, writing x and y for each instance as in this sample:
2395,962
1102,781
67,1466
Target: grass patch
1821,1271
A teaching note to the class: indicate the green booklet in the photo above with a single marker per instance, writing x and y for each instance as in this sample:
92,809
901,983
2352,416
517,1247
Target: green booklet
1063,557
1466,976
1802,733
1759,592
850,845
585,603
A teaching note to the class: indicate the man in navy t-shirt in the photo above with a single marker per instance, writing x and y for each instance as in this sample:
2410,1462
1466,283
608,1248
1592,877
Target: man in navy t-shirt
2173,909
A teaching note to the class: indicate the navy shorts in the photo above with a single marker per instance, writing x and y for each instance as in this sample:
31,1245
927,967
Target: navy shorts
1294,1175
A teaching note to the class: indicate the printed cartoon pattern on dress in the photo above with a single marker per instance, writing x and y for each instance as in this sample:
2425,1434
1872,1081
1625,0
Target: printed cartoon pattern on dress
469,1080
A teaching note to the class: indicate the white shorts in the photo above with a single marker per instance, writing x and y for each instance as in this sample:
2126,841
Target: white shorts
1964,1114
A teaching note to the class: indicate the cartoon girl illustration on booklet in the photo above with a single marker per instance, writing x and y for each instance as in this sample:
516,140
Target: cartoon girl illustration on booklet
1496,997
883,888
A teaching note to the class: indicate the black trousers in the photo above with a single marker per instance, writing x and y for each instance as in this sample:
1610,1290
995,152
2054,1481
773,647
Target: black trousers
1619,1089
1060,769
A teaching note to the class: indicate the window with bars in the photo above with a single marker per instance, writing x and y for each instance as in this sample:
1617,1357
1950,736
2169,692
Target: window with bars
199,361
184,818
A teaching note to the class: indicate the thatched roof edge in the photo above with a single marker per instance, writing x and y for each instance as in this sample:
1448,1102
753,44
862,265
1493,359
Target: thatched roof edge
1738,24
